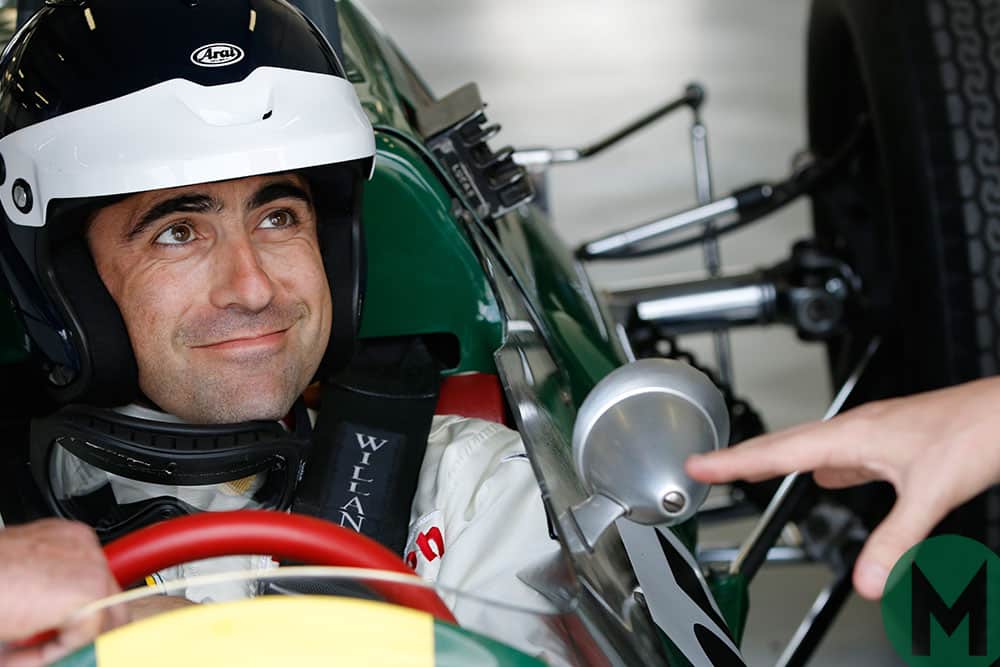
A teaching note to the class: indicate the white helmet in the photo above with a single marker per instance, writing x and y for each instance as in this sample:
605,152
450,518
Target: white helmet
104,98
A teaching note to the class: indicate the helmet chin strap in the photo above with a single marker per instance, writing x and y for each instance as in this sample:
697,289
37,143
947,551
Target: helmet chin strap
296,420
148,411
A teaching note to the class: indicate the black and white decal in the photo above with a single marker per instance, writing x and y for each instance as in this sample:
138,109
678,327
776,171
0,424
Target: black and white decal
218,54
677,596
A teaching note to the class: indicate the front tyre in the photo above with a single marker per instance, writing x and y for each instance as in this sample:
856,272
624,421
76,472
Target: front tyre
916,212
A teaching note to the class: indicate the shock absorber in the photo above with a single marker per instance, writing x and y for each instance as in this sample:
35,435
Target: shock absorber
809,291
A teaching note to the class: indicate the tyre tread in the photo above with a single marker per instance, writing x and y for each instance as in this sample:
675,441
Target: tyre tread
965,35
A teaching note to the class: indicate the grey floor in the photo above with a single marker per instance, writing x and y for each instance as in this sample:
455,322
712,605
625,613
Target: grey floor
563,72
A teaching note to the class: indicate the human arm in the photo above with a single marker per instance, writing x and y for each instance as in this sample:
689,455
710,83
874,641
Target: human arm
48,569
938,449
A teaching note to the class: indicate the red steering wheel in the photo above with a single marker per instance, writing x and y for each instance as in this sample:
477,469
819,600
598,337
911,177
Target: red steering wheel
290,536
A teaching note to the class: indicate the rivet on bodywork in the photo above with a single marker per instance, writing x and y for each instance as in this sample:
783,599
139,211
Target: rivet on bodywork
674,502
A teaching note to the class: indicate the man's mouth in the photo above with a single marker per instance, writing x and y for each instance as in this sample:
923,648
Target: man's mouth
249,340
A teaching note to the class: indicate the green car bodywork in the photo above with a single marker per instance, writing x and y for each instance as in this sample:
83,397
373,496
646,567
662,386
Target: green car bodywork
426,274
430,246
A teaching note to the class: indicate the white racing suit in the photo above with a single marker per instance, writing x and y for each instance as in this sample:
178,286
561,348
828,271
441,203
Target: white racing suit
477,519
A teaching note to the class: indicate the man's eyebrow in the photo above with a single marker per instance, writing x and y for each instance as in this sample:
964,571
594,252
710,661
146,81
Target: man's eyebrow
189,203
274,191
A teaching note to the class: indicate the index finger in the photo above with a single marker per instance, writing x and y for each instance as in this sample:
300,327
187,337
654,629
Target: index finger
804,447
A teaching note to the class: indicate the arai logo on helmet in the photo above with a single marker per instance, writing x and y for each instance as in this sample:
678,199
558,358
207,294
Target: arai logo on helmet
219,54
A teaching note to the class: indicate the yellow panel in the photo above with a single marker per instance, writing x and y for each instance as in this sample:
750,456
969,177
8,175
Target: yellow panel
274,630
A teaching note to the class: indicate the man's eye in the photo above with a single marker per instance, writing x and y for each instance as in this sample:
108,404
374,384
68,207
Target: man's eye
278,220
176,235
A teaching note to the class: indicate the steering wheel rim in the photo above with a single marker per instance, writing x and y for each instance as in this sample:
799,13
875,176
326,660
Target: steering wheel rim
290,536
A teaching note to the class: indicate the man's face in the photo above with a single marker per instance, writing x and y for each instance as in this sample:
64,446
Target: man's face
223,292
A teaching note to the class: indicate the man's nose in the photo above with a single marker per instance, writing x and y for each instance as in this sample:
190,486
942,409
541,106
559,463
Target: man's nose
239,278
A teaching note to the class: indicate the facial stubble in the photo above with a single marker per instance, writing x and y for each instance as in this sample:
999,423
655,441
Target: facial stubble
208,387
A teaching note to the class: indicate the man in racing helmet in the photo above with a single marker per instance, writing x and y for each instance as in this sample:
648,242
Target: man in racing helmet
181,187
177,203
